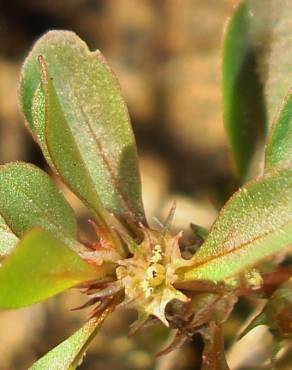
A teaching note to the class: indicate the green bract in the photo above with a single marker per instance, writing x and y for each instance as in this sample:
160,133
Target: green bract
73,107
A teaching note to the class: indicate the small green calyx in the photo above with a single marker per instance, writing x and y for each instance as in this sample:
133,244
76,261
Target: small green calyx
149,275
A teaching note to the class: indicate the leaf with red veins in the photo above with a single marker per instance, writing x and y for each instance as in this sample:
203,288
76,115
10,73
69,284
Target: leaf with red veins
149,275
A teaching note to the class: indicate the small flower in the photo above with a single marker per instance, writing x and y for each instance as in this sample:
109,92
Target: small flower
149,275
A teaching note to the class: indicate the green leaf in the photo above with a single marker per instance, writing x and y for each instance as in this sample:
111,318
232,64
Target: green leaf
257,72
40,267
67,354
62,142
29,198
68,160
254,224
83,96
271,31
38,122
8,239
243,100
279,146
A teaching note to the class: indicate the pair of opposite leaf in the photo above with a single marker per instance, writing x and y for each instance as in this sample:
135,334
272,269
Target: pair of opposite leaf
73,107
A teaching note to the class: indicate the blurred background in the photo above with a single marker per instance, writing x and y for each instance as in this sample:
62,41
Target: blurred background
166,54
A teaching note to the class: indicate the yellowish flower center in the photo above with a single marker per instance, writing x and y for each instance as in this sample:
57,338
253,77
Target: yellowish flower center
155,274
148,276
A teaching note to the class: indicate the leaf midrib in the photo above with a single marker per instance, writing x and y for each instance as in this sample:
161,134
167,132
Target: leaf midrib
114,180
241,246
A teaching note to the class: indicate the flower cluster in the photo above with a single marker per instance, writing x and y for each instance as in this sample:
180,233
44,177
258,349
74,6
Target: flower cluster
149,275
